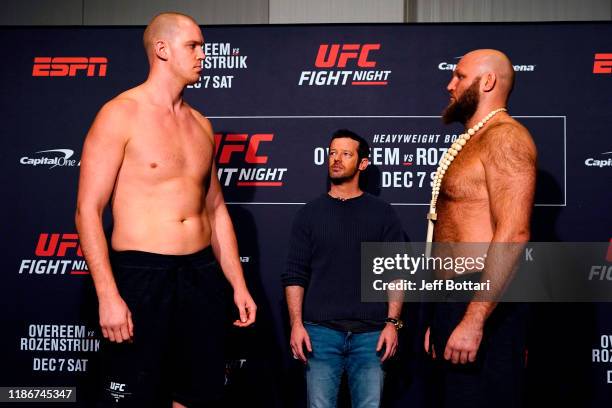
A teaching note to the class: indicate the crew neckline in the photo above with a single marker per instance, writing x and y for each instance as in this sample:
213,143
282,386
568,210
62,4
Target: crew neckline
339,200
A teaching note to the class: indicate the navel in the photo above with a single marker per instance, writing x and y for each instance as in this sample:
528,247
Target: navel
153,165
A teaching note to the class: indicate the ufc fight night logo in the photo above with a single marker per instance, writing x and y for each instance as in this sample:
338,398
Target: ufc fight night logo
332,60
69,66
336,55
237,143
243,155
56,254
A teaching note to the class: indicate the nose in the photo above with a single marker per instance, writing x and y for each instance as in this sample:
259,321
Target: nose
201,55
452,84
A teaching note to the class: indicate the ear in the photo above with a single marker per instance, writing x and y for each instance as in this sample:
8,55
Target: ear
489,82
363,164
161,49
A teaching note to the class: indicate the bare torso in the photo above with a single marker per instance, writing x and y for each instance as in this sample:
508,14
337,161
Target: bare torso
465,213
158,200
463,203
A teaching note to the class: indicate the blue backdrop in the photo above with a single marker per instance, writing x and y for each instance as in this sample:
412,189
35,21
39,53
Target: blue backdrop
274,95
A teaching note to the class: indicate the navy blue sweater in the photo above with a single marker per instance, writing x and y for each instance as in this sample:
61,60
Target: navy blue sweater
325,255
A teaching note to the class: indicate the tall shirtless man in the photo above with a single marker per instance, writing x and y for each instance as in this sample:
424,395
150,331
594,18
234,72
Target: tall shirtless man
486,197
161,292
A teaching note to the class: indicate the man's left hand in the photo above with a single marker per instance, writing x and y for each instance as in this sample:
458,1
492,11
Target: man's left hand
462,345
246,308
388,339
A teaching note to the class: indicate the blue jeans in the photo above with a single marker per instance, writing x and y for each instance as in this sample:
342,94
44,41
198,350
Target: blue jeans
333,352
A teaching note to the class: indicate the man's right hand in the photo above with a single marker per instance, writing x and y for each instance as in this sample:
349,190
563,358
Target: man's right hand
116,320
299,338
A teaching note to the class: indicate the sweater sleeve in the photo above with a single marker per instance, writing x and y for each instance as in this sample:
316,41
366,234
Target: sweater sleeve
297,271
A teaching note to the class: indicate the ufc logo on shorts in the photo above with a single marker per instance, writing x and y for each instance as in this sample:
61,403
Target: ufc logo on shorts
241,144
337,55
117,386
57,244
603,64
69,66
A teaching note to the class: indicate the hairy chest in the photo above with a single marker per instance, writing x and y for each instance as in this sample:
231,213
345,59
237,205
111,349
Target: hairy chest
465,179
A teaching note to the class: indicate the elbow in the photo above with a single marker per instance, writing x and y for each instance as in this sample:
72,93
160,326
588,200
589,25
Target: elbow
293,280
77,218
83,213
519,236
512,234
524,236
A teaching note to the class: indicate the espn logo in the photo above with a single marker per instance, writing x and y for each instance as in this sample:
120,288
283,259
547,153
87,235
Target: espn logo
238,144
337,55
602,64
69,66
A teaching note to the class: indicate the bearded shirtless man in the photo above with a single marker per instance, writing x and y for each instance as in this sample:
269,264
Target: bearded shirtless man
486,197
162,295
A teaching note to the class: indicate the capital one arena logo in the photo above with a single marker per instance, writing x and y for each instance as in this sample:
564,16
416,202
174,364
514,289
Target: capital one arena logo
346,64
450,66
242,161
51,158
602,161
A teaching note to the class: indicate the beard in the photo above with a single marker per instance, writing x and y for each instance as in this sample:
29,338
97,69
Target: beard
464,107
347,175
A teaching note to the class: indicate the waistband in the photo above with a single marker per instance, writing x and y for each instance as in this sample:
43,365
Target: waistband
462,296
470,276
204,255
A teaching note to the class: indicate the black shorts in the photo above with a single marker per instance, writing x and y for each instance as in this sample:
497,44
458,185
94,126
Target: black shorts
180,310
496,378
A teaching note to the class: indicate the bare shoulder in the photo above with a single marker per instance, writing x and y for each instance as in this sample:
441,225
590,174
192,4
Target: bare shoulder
202,121
121,108
114,120
510,142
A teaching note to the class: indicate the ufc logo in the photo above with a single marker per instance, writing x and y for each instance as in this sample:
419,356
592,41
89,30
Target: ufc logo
338,55
57,244
117,386
609,254
603,64
69,66
238,144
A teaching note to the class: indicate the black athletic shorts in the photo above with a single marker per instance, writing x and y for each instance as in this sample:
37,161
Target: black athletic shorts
496,378
180,309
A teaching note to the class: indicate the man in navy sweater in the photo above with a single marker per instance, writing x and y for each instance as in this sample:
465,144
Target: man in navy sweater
331,329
